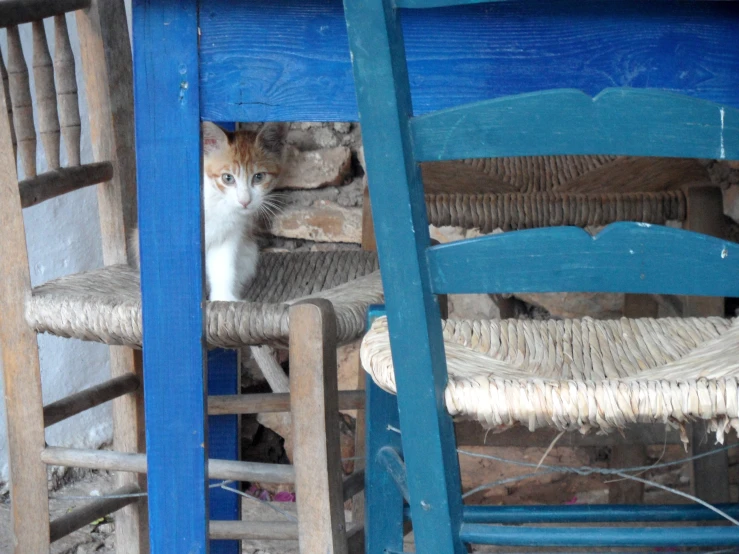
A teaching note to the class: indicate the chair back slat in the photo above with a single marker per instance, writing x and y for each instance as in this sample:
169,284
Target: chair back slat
625,257
69,110
626,121
20,97
9,106
48,115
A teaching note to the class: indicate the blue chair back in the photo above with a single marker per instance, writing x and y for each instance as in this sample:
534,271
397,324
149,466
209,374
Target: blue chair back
626,257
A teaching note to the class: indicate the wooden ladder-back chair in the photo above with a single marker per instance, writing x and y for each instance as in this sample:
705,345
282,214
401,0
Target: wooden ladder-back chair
106,67
573,374
104,305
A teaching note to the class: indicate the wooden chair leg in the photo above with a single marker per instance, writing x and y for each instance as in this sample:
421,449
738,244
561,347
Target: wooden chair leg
132,522
315,419
710,475
21,369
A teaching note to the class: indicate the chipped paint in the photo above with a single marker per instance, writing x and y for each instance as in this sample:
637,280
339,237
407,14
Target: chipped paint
641,224
724,253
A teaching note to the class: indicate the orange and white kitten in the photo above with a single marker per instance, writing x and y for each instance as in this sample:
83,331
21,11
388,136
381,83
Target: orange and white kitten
239,171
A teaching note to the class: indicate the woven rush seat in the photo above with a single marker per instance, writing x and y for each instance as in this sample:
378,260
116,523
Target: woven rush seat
510,211
104,305
583,374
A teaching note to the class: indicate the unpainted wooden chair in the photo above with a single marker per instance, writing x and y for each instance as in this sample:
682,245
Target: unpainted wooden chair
105,44
325,295
573,374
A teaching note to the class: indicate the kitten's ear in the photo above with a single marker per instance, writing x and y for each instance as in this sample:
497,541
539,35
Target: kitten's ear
214,138
272,137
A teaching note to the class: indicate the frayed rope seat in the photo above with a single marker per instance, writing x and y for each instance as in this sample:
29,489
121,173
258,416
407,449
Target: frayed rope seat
104,305
583,374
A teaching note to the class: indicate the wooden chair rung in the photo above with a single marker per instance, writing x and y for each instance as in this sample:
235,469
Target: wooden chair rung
89,398
15,12
354,484
273,402
77,519
63,180
119,461
252,530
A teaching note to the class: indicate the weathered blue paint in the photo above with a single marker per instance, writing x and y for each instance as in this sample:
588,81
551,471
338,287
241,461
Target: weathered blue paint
392,462
169,174
600,536
594,513
383,97
224,442
383,522
627,121
624,257
300,69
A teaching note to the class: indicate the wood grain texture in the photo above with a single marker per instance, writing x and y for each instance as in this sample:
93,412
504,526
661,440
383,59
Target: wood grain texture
63,180
20,97
139,463
79,518
315,428
8,104
402,234
624,257
43,78
66,78
273,402
106,63
252,530
167,120
617,121
15,12
301,70
89,398
20,367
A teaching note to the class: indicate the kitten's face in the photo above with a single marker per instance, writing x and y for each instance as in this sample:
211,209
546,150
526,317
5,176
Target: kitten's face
244,166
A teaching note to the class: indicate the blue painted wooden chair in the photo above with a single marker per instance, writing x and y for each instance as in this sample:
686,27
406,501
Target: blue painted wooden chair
575,375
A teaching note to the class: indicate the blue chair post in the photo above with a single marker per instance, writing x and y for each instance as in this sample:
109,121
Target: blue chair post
383,499
167,104
224,442
376,41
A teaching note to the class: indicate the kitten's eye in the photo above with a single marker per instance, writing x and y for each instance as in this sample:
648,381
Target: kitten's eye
228,179
259,177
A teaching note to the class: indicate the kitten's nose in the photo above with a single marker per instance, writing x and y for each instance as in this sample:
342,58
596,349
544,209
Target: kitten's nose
245,203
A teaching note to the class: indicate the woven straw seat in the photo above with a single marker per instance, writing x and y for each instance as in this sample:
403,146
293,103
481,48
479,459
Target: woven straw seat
583,374
104,305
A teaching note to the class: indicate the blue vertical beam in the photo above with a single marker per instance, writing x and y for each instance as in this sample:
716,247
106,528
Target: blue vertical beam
169,180
223,432
223,441
414,318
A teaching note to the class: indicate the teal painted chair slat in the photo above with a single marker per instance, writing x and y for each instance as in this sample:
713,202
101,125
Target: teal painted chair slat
618,121
626,257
